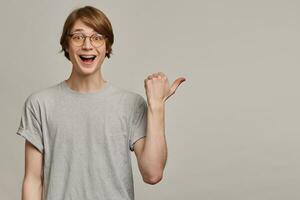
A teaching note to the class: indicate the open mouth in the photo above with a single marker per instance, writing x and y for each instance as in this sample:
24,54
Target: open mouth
87,59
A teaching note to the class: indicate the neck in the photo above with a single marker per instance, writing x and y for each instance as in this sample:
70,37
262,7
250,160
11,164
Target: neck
89,83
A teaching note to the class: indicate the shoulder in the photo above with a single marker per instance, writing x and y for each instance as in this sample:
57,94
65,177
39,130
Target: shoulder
128,97
39,97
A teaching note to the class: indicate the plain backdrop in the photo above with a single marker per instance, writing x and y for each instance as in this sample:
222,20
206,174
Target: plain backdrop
232,128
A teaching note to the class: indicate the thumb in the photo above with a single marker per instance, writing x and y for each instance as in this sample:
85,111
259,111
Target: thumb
175,85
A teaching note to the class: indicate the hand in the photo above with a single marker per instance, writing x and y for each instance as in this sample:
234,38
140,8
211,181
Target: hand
158,89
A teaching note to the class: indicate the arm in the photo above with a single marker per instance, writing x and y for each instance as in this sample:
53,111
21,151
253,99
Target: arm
32,187
151,151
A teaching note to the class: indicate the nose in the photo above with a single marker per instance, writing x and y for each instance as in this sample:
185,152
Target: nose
87,43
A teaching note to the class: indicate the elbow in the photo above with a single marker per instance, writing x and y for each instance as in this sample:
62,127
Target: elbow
32,186
154,179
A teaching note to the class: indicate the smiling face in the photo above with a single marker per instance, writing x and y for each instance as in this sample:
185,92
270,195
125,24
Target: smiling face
83,65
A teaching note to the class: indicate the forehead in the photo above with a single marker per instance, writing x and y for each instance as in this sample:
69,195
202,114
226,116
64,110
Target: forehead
81,27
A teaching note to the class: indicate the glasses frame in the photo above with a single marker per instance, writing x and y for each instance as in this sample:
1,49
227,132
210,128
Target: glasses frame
85,36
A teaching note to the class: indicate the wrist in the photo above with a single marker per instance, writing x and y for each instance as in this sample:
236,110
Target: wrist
156,105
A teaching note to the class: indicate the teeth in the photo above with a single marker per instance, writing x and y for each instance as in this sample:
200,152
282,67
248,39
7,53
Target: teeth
88,56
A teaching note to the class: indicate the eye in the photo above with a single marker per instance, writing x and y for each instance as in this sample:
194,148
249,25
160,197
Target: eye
77,37
97,37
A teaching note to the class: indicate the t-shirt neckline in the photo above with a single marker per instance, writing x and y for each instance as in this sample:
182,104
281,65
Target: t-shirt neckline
98,92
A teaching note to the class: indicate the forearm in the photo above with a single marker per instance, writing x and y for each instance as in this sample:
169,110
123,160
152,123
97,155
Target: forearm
154,154
32,189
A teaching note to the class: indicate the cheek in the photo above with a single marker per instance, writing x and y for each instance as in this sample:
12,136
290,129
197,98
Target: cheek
102,52
72,53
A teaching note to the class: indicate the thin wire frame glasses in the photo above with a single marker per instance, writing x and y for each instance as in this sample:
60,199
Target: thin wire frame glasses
96,39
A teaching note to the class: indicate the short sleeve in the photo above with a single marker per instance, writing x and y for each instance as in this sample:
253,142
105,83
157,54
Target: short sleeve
138,124
30,126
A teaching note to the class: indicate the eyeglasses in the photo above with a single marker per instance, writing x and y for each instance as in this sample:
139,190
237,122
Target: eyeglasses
78,39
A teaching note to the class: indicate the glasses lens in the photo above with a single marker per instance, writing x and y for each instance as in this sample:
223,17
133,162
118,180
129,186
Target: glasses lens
77,39
97,40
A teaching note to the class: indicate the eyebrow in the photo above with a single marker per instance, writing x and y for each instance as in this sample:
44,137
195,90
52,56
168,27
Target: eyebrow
79,30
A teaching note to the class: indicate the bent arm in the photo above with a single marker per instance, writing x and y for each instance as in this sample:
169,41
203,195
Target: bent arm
151,151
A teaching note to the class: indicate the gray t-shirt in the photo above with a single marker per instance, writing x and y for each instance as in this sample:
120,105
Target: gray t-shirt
86,140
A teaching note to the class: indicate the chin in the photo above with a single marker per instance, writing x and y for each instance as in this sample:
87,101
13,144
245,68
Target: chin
88,70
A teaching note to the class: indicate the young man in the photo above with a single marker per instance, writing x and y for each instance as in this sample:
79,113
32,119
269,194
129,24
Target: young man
80,132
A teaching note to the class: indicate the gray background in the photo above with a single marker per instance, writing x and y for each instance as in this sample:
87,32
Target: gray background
232,128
